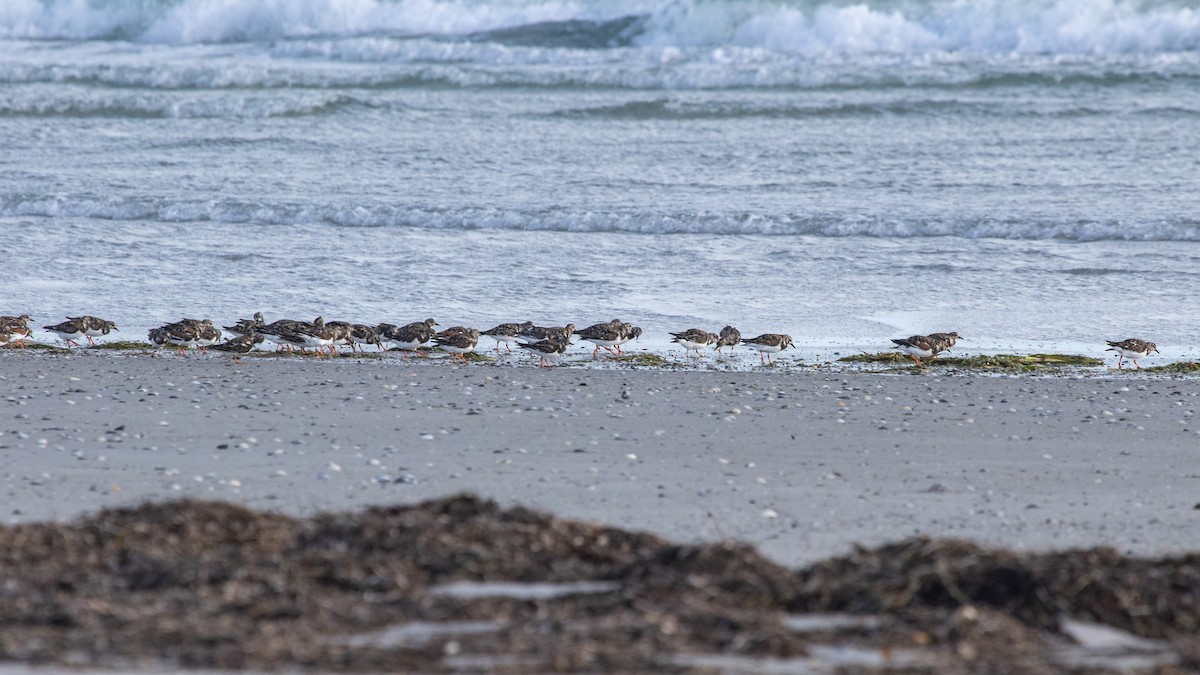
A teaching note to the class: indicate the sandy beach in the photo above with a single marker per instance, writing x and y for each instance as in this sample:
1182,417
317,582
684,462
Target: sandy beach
798,463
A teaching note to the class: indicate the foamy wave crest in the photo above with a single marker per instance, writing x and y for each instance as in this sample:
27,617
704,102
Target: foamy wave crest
154,105
808,27
233,211
924,26
191,21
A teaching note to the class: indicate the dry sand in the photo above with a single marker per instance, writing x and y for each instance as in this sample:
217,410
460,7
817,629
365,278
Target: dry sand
799,463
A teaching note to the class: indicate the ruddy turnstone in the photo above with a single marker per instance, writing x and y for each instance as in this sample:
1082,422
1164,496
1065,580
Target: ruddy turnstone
361,334
408,338
181,334
239,346
317,336
945,340
535,333
341,334
920,347
22,320
246,326
458,343
507,333
694,339
606,335
1132,349
452,330
70,331
95,326
15,335
274,331
14,330
769,343
628,332
550,350
207,334
729,337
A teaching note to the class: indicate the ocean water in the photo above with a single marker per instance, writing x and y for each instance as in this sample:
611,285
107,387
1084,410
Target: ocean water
1024,172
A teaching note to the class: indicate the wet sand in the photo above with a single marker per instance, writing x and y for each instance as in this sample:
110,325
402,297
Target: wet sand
799,463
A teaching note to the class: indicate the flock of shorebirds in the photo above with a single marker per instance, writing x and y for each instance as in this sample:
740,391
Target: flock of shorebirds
549,343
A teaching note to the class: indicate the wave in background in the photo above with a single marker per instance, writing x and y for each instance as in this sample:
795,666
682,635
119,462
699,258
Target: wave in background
232,211
806,27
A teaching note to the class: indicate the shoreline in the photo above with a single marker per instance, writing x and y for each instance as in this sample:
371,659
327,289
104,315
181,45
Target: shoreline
801,463
670,357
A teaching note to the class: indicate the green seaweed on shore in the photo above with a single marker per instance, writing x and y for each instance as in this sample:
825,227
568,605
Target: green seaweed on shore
881,357
996,361
123,345
476,357
644,359
284,354
1014,362
37,346
1178,367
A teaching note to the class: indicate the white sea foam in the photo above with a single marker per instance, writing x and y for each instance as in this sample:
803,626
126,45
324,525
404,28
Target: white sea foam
1185,228
814,27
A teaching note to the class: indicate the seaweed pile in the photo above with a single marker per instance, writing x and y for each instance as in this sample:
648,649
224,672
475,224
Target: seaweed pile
1009,362
201,584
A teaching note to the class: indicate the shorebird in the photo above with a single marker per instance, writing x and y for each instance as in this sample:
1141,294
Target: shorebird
458,343
246,326
535,333
410,337
341,334
920,347
606,335
452,330
207,334
729,337
317,336
15,335
70,331
14,330
768,344
22,320
239,346
507,333
361,334
181,334
274,331
94,326
1132,349
550,350
628,332
945,340
694,339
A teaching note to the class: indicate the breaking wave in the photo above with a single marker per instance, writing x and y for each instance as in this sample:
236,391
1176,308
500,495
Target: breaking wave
266,214
808,27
